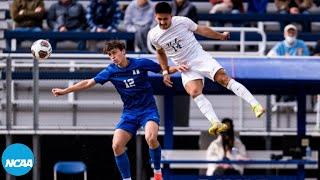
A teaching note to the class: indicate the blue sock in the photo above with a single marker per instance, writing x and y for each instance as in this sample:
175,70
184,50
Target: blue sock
123,165
155,155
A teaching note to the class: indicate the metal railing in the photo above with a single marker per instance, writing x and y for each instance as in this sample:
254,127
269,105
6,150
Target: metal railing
74,62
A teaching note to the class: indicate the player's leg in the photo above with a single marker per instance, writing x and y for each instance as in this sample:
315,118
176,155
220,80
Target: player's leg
119,142
151,135
222,78
194,89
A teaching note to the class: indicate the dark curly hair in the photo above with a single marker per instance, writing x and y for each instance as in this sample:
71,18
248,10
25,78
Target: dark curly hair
163,7
113,44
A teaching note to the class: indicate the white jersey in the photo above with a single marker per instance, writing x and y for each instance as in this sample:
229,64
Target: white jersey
178,40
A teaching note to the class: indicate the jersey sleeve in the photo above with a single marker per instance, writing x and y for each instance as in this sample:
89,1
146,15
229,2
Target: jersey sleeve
103,76
150,65
153,41
192,26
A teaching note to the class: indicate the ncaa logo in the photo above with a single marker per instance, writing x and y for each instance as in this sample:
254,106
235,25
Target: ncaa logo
17,159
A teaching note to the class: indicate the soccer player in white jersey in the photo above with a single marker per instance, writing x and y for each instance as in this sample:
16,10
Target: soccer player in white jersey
173,37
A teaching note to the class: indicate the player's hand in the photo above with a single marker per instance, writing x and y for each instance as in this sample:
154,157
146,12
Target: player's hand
182,68
167,81
225,36
58,92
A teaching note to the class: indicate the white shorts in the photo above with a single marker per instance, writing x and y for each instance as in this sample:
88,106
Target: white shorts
203,66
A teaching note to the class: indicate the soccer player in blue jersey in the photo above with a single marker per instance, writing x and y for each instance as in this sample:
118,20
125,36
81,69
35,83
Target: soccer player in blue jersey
130,78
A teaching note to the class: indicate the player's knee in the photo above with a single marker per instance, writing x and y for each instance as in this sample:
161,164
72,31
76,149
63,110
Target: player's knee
194,92
117,148
223,80
152,140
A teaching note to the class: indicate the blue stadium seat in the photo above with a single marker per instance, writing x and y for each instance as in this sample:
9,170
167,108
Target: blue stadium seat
70,167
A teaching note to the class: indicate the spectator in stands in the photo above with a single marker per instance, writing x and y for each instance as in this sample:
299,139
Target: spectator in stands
227,6
226,147
27,15
294,7
257,6
138,18
103,15
291,46
184,8
67,15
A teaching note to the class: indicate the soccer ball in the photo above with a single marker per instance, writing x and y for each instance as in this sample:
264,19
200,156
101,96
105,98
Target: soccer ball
41,49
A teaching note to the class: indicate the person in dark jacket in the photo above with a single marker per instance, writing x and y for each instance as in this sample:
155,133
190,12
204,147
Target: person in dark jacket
27,15
67,15
103,15
185,8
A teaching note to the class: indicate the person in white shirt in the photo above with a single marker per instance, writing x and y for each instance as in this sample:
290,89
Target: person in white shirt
173,37
226,147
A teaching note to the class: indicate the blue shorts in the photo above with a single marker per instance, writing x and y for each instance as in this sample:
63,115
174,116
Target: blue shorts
131,121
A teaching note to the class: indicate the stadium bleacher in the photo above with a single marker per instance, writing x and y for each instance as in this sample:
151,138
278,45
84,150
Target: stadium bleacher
202,6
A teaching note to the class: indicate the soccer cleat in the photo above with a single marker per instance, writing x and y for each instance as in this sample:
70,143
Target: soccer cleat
217,128
258,110
157,176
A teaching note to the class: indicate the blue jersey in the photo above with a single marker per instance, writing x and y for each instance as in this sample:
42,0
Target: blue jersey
131,82
299,48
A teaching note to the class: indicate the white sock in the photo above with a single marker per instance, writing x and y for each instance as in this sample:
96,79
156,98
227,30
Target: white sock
157,171
206,108
242,92
127,178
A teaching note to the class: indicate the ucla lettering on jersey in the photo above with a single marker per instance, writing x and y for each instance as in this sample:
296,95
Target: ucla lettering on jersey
175,44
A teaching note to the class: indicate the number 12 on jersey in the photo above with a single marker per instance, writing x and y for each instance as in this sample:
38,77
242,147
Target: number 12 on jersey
129,83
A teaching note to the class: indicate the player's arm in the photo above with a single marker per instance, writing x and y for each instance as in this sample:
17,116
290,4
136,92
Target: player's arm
163,61
180,68
82,85
149,65
172,69
208,32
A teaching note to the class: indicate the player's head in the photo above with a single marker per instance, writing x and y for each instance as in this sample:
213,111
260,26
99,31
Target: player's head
163,14
290,33
116,50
